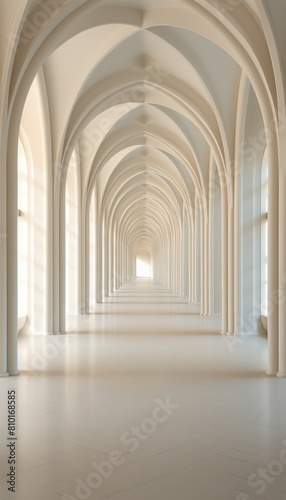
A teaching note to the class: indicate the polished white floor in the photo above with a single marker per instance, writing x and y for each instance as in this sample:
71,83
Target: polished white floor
79,394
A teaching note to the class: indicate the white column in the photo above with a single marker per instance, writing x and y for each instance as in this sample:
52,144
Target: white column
95,235
118,257
56,265
224,215
103,259
99,252
181,256
230,329
206,266
186,260
193,276
12,259
86,269
210,237
80,243
50,252
82,264
190,258
110,258
282,275
237,249
202,259
273,282
197,254
3,273
62,257
3,317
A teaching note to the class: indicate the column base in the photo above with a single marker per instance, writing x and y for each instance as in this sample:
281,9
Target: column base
281,375
14,374
223,333
229,334
58,333
268,372
2,375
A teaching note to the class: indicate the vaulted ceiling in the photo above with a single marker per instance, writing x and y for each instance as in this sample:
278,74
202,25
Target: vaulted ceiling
146,93
145,96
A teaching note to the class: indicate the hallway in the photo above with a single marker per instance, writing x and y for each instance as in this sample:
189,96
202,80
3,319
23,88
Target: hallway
92,394
142,250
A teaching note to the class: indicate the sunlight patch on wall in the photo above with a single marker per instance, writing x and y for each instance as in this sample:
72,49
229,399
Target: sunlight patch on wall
144,266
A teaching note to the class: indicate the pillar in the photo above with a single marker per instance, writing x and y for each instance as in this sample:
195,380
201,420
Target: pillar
206,266
191,259
62,256
12,257
211,195
273,236
230,329
3,272
197,252
79,232
282,275
224,216
237,249
86,268
56,264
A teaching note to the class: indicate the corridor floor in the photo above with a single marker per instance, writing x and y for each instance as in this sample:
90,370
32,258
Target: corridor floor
145,400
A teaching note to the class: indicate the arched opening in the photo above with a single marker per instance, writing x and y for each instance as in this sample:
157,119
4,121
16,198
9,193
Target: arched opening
33,216
144,267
